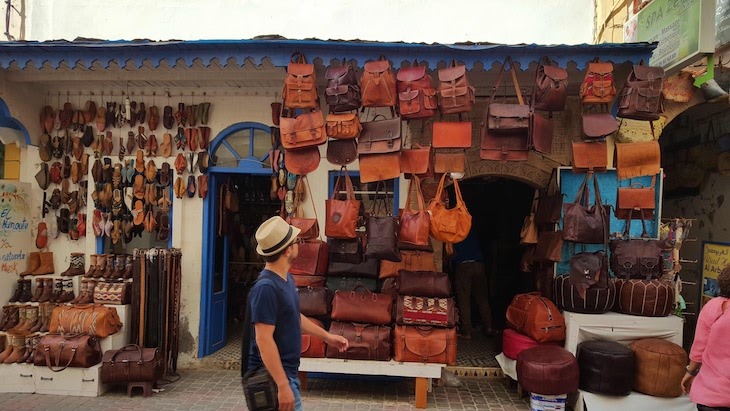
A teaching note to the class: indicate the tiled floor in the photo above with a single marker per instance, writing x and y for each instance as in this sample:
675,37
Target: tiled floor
221,390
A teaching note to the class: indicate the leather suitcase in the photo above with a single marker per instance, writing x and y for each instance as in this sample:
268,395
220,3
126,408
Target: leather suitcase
597,300
548,370
367,342
362,306
312,347
440,312
659,367
313,301
425,344
647,298
513,343
132,363
606,367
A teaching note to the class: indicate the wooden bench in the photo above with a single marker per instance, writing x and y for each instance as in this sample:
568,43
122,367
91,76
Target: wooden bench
423,373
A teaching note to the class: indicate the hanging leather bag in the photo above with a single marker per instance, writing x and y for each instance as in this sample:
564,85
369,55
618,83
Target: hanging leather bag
343,126
414,222
588,270
507,118
528,234
423,283
416,95
416,161
637,159
549,202
590,156
449,163
300,85
132,363
536,317
313,347
449,225
455,95
365,269
365,341
378,84
382,231
551,87
304,130
313,301
452,134
411,310
362,306
379,167
598,86
549,246
410,261
541,133
380,136
346,251
311,260
636,201
599,125
302,161
60,351
309,227
342,92
93,319
584,224
425,344
341,152
641,97
342,215
639,258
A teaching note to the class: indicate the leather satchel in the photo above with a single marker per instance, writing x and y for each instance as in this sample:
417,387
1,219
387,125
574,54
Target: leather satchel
304,130
379,167
455,95
350,283
342,92
378,84
507,118
452,134
641,97
302,161
425,344
365,269
598,86
588,271
536,317
636,202
424,284
313,347
504,147
449,225
313,301
60,351
342,215
416,161
549,246
312,258
415,223
416,95
300,85
346,251
341,152
382,231
343,126
636,258
380,136
549,202
112,293
584,224
637,159
592,156
366,341
449,163
362,306
551,87
599,125
132,363
92,319
410,261
411,310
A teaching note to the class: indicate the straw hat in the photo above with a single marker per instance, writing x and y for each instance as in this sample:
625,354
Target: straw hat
274,235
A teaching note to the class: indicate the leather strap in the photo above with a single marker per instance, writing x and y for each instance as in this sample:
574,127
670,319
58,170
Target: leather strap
520,99
350,192
419,194
47,353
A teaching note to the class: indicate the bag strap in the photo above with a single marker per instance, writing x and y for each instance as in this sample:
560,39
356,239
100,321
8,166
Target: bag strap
350,192
246,341
516,84
457,194
579,196
376,198
47,353
419,194
440,190
298,57
598,204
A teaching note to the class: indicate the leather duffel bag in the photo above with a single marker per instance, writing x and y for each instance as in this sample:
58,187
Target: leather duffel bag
424,284
647,298
93,319
350,283
67,350
412,310
346,251
537,317
366,341
313,301
132,363
312,347
425,344
597,299
362,306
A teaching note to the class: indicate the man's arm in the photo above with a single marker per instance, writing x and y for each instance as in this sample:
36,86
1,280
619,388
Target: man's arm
270,353
308,327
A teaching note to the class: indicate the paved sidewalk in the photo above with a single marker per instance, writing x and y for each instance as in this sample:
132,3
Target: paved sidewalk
221,390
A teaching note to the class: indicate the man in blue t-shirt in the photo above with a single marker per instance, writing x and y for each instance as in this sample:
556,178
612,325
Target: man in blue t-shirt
276,340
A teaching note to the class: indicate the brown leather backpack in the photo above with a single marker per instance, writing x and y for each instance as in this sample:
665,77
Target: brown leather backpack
342,92
551,87
537,317
300,85
598,86
416,95
378,84
641,98
455,95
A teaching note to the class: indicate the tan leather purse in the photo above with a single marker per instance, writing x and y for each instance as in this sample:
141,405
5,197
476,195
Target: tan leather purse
410,261
449,225
416,161
379,167
591,156
304,130
343,126
414,223
637,159
455,134
449,163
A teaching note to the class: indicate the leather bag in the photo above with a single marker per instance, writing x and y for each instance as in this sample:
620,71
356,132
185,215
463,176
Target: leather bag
504,147
309,280
342,92
452,134
343,126
346,251
641,97
636,201
365,269
551,87
312,259
416,161
380,136
382,231
455,95
595,299
416,95
379,167
507,118
423,284
300,84
425,344
549,246
647,298
537,317
584,224
60,351
309,227
92,319
549,202
304,130
411,310
313,301
415,222
132,363
599,125
342,215
350,283
588,270
112,293
378,84
341,152
592,156
302,161
362,306
637,159
449,163
449,225
528,233
313,347
636,258
366,341
598,86
411,260
541,133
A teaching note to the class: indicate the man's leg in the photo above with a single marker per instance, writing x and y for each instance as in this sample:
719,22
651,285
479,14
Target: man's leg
463,296
295,387
479,291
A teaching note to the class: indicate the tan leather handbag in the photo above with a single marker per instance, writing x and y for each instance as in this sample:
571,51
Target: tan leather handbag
452,134
414,222
449,225
92,319
588,157
528,234
343,126
300,85
425,344
304,130
342,215
416,161
378,84
410,261
449,163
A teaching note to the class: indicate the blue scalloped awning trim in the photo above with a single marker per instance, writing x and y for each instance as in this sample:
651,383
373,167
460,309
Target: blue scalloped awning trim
278,51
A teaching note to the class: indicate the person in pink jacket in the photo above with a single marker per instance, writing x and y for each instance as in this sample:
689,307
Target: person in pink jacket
707,380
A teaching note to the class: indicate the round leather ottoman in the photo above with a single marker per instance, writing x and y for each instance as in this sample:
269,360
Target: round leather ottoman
513,343
659,367
547,370
647,298
597,300
606,367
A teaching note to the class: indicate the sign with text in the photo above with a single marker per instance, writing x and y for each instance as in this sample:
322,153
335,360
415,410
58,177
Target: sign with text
722,24
715,257
15,230
684,29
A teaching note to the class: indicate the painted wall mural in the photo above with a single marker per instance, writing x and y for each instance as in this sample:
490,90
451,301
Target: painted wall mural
15,226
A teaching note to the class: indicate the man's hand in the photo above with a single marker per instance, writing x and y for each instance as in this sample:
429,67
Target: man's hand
687,382
286,397
337,341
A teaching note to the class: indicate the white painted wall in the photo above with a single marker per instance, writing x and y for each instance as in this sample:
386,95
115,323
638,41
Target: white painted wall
428,21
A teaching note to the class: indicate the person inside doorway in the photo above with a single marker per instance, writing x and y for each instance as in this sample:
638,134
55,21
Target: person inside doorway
707,380
274,306
470,281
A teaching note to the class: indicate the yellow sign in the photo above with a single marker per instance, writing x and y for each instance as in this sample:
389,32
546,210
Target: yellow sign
715,257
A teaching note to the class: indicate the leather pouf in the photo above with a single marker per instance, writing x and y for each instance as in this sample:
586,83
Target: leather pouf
647,298
660,366
547,370
598,300
606,367
513,343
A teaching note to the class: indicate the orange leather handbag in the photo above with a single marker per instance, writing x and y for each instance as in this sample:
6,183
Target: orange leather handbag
416,161
304,130
425,344
409,261
591,156
300,85
452,134
342,215
449,163
449,225
414,223
379,167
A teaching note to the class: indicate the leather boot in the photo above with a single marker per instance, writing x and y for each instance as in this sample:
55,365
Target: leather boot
119,263
8,348
67,293
92,266
57,290
33,346
18,350
100,265
39,321
76,266
33,263
47,291
49,313
31,315
38,290
46,266
83,287
27,342
18,291
89,296
109,272
128,265
6,316
13,318
22,319
25,294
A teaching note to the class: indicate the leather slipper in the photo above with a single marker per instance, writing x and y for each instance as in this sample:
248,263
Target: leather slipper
117,202
163,233
165,175
55,200
87,137
47,115
180,116
84,165
129,174
83,192
138,187
164,202
111,114
73,202
122,149
166,146
66,167
97,171
141,113
179,187
205,112
127,231
65,194
193,116
152,146
77,119
180,139
131,143
202,186
63,221
73,227
203,137
168,121
153,119
57,120
41,240
180,163
100,119
89,111
117,175
150,224
44,147
116,234
108,224
191,162
81,225
139,163
128,196
75,172
107,195
77,148
108,144
66,115
132,121
96,223
150,196
56,147
151,172
191,187
203,162
107,171
193,139
43,176
141,138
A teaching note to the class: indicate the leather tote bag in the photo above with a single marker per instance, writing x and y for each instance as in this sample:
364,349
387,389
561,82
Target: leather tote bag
411,260
598,86
415,222
365,269
549,202
382,231
452,134
424,284
636,201
455,95
378,84
584,224
551,87
366,341
313,301
449,225
412,310
132,363
67,350
590,156
549,246
346,251
342,92
342,215
416,161
300,84
641,97
341,152
425,344
536,317
528,234
639,258
541,133
416,95
362,306
508,118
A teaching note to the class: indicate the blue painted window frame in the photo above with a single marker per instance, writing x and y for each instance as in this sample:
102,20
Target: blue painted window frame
247,163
